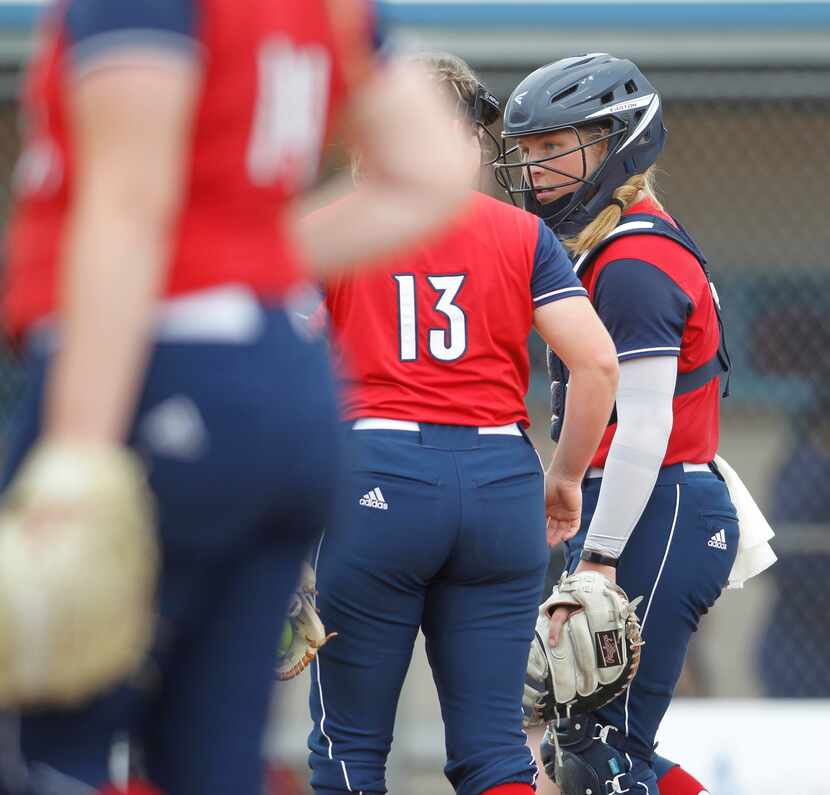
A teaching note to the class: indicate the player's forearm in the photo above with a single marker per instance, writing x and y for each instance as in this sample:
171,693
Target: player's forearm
644,424
415,173
377,220
590,399
113,268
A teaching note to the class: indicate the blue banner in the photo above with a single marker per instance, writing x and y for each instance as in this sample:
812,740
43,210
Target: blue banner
679,15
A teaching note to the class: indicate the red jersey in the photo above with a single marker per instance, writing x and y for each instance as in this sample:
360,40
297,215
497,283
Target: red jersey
439,334
656,300
274,76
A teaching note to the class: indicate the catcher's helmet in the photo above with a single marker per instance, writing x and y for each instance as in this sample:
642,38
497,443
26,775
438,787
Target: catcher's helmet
572,94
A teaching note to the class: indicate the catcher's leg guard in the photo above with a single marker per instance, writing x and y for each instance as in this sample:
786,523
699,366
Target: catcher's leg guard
578,758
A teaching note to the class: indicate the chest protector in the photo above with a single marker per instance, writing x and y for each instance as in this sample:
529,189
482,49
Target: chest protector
718,366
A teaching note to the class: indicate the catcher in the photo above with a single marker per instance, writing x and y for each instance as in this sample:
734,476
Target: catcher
580,138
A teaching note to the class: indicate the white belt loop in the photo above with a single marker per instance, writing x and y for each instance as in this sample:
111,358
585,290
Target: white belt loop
387,424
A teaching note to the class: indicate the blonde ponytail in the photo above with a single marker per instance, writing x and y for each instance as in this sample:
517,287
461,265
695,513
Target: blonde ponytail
627,194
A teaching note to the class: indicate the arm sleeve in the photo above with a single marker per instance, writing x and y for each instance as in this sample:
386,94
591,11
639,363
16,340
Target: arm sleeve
644,310
96,27
553,276
644,424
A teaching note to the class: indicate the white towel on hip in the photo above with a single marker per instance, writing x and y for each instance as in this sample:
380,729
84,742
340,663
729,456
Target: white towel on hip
754,552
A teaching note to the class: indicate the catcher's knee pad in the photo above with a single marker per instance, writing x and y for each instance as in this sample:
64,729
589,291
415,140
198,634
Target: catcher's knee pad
585,764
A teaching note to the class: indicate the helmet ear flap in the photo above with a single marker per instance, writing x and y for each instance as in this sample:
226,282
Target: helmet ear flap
486,106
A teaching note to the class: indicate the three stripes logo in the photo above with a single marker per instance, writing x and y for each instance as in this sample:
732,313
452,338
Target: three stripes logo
374,499
718,541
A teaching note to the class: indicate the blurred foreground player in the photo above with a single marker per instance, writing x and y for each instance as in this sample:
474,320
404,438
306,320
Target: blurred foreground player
153,269
440,522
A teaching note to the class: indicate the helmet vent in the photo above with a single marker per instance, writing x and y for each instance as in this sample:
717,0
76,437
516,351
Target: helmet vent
607,97
631,87
566,93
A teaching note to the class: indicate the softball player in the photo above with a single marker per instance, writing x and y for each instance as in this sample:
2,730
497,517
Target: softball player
440,523
152,274
580,138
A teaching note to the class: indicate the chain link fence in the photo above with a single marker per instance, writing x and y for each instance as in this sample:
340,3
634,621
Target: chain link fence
747,169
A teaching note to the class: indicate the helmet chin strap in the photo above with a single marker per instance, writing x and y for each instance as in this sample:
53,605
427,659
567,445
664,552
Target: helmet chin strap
563,219
575,221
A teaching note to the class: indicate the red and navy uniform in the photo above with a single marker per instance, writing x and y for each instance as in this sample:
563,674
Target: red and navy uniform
237,419
245,165
441,526
650,285
656,300
440,334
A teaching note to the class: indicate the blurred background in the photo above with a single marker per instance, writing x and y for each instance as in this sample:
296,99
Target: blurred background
746,89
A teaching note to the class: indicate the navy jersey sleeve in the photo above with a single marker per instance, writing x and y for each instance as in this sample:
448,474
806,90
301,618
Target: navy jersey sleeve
644,310
553,276
97,26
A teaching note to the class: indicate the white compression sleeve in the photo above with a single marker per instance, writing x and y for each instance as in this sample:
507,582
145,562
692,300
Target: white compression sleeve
644,423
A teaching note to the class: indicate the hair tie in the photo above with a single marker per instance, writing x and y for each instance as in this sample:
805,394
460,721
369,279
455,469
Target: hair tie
619,202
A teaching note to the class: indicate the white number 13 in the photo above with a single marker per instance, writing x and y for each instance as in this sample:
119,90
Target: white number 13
445,344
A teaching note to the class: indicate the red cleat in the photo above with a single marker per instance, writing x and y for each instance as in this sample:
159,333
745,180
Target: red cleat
678,782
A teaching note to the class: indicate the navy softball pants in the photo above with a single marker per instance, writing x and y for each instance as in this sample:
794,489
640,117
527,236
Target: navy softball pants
678,558
441,529
239,440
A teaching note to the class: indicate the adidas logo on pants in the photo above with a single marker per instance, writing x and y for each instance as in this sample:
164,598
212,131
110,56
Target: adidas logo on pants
718,541
374,499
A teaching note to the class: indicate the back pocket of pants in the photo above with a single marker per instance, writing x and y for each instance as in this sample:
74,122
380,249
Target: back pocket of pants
720,530
507,480
398,478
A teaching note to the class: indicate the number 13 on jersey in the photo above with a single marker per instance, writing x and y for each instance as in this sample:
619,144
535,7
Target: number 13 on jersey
445,344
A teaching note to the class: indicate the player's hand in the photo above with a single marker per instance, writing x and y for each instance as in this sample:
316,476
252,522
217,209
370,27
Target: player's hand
557,620
589,655
561,614
563,506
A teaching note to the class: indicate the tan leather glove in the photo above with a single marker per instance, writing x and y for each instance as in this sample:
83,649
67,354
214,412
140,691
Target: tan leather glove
78,570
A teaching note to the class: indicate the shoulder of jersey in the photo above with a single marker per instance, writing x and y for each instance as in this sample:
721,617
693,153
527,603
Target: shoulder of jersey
664,253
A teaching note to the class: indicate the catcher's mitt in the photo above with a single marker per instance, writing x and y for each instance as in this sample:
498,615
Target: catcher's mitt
597,654
303,633
78,569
